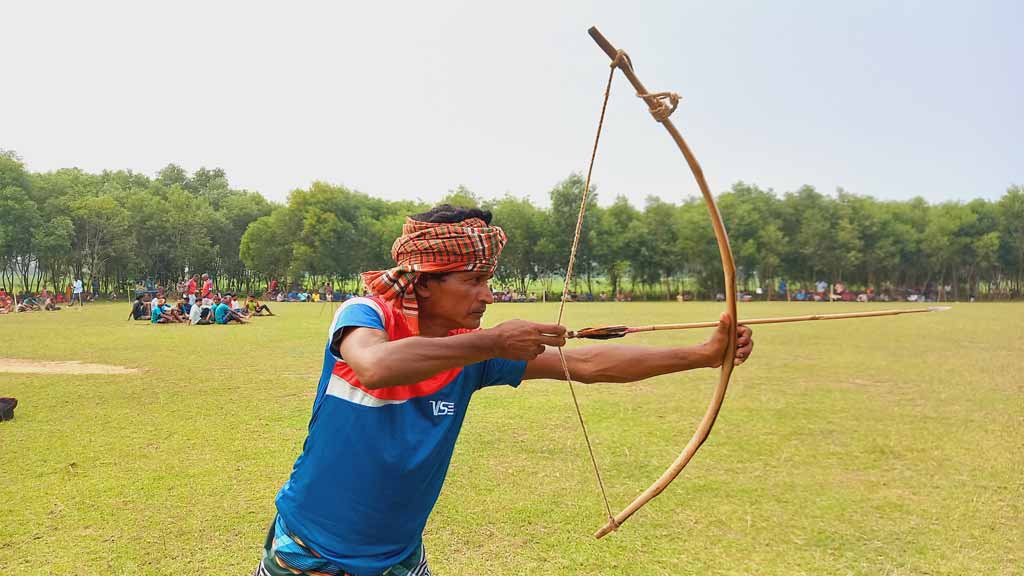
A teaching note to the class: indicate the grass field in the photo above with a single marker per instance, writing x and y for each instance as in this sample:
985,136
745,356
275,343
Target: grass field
880,446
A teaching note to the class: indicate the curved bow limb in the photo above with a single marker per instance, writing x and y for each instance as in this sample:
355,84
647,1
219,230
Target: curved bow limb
658,109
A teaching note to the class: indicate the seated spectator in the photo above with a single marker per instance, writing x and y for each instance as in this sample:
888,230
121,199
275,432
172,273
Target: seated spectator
28,303
236,306
156,315
223,313
254,307
280,296
195,314
202,312
182,309
171,312
6,304
49,305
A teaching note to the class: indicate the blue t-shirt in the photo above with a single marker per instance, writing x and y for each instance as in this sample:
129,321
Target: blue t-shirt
155,315
374,461
220,312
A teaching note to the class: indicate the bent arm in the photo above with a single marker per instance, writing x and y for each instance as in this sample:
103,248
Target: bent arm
604,363
381,363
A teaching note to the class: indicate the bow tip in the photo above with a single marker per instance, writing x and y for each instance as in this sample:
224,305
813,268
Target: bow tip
606,529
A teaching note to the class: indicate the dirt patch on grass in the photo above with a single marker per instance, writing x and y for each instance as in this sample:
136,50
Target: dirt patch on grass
13,365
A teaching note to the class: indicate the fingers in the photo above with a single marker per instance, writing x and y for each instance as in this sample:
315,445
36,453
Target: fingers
551,334
743,336
552,340
744,344
551,329
724,320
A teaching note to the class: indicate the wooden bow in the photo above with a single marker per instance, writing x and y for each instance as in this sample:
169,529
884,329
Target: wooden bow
660,110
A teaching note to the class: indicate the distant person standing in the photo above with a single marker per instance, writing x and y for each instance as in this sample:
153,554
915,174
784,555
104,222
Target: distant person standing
76,292
190,289
207,286
95,288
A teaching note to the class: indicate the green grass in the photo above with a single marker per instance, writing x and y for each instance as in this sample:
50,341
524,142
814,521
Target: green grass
878,446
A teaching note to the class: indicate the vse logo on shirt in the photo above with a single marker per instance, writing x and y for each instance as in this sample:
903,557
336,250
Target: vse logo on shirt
442,408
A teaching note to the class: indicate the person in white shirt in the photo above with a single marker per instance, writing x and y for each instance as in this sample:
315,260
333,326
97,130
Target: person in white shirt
77,293
195,313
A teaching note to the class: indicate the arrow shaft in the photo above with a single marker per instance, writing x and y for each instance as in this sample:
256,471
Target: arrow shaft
781,319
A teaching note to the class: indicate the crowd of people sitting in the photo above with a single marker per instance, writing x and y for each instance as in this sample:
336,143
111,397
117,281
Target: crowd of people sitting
213,309
324,293
29,302
198,304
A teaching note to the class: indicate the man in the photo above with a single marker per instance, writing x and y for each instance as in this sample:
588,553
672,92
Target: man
202,313
207,286
156,315
223,313
77,293
253,306
138,308
399,370
190,289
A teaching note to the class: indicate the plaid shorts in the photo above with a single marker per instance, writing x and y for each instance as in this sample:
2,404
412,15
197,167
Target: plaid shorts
286,555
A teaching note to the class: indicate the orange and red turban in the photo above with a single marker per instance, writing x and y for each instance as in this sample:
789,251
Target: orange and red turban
426,247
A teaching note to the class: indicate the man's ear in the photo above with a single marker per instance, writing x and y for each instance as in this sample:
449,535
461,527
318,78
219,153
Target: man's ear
421,287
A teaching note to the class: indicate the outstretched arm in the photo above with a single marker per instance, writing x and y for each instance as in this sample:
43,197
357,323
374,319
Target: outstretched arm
590,364
380,363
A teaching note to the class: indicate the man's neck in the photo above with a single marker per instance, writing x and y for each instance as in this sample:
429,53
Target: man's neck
431,329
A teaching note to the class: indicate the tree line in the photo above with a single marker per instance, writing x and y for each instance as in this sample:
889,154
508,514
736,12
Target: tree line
120,227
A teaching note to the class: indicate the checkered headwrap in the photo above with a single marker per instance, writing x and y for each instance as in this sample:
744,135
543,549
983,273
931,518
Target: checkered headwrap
469,245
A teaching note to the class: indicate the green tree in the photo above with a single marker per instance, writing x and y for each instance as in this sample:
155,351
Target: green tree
523,224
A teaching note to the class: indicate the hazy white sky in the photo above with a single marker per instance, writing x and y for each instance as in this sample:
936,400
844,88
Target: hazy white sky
408,100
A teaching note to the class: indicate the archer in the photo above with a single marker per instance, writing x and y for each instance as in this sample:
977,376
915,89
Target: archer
399,370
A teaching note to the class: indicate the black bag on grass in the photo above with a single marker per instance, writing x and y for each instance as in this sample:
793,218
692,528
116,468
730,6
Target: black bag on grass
7,408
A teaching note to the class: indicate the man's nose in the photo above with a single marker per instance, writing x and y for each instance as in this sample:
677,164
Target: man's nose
486,295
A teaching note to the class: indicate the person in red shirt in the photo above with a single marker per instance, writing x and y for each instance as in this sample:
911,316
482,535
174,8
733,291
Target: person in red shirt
207,286
190,289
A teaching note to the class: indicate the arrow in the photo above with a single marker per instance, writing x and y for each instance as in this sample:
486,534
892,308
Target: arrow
609,332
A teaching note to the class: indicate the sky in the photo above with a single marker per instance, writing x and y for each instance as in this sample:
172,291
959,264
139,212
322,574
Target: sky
411,99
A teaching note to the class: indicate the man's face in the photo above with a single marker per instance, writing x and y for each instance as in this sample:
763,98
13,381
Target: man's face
457,299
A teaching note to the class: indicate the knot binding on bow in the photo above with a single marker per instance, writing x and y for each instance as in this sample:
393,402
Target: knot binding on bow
661,104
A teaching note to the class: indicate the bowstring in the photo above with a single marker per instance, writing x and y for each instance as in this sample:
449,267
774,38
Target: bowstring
565,292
